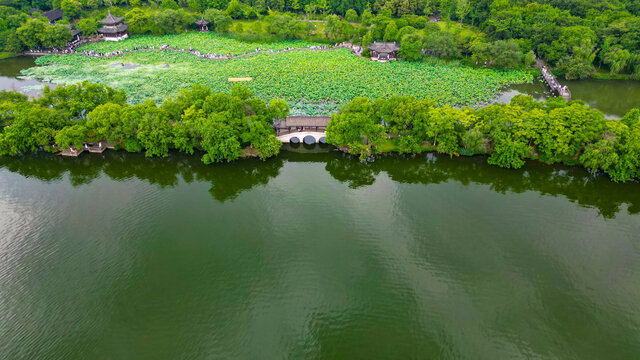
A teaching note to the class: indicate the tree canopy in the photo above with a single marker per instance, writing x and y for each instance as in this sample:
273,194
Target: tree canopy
220,125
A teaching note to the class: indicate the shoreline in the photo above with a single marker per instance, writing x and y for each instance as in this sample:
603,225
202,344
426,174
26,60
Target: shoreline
250,154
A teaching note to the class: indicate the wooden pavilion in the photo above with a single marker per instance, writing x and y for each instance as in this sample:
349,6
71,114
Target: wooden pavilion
383,51
113,29
203,25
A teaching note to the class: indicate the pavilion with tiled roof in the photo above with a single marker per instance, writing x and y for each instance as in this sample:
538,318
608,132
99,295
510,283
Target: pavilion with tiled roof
383,51
113,29
203,24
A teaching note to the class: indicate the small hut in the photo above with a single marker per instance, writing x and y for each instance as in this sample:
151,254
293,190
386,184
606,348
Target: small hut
203,25
383,51
113,29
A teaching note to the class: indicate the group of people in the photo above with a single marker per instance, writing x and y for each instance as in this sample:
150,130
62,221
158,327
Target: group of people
552,81
99,54
68,50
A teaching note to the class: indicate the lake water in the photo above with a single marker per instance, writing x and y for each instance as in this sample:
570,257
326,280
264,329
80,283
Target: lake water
613,97
10,76
315,255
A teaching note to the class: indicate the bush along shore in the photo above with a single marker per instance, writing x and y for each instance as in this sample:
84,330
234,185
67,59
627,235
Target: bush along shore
225,127
551,132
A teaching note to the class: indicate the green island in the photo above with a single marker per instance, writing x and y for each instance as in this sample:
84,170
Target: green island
228,126
392,80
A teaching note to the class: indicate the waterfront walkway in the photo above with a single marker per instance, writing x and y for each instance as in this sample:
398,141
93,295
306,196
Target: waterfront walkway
90,147
551,81
71,152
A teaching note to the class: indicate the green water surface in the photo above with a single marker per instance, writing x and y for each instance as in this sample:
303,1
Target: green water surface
314,255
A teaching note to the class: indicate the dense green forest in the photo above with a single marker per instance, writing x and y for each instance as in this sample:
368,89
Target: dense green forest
552,132
580,38
220,125
223,127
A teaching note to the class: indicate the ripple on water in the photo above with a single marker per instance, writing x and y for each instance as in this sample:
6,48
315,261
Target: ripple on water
300,257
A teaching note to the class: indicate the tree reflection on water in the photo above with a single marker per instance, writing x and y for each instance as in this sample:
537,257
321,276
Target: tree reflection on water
229,180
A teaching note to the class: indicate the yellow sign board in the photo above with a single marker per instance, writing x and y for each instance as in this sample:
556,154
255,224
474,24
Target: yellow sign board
240,79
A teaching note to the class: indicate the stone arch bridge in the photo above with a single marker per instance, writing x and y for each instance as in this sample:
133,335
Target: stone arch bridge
297,129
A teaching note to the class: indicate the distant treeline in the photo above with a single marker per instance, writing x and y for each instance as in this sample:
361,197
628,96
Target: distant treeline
578,37
551,132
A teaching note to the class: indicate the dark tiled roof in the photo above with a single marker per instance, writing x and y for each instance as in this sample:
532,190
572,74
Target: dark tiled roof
74,31
202,22
384,47
53,15
110,19
295,121
113,29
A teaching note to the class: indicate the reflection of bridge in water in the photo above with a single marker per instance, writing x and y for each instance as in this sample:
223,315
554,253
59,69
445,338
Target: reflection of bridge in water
297,129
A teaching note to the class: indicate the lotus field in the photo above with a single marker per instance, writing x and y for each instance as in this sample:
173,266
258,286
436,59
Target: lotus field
204,42
313,82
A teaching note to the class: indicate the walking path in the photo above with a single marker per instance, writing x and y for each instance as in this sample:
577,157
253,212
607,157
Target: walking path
69,49
94,147
551,81
357,50
324,21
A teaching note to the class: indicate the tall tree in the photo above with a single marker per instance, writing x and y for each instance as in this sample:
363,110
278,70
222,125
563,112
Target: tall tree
462,9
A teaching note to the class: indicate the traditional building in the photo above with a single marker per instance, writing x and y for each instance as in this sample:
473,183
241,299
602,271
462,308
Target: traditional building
113,29
75,33
53,15
301,123
383,51
203,24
